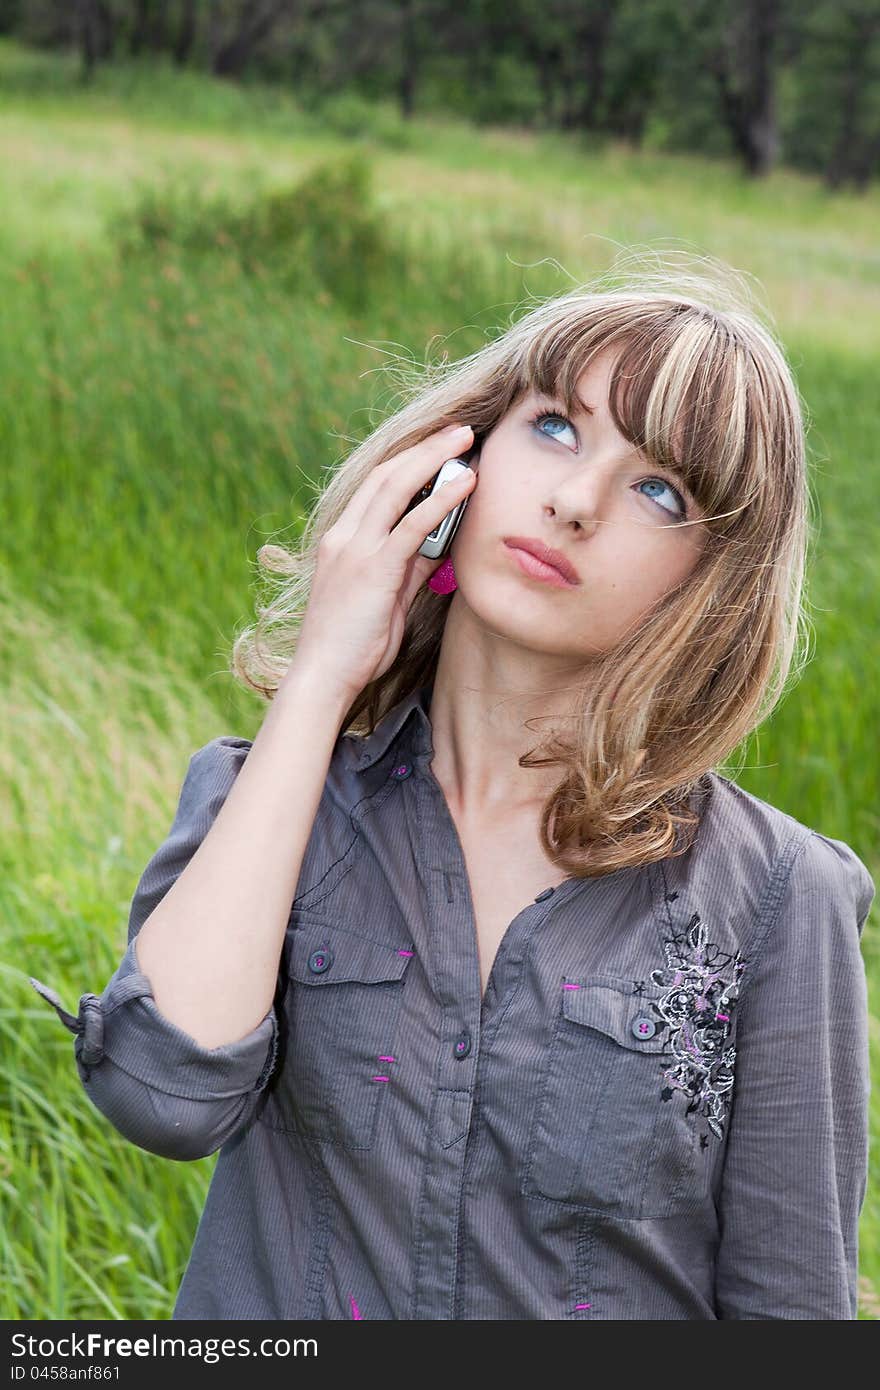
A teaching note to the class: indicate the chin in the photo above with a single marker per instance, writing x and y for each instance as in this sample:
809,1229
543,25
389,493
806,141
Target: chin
497,614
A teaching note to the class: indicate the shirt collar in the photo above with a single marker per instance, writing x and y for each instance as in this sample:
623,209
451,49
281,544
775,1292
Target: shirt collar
413,706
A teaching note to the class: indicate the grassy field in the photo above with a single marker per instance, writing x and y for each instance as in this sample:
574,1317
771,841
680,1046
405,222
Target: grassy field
168,404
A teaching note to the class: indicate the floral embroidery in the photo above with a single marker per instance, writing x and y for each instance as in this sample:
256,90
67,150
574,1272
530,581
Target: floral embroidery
703,985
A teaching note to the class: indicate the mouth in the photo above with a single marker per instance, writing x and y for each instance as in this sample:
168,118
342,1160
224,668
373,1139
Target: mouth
540,562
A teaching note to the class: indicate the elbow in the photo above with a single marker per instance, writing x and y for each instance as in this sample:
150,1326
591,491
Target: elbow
175,1127
165,1093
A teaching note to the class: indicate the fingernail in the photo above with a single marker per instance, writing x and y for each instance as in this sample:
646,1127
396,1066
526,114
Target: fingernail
459,431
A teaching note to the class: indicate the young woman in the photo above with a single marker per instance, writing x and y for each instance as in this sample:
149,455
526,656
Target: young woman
498,999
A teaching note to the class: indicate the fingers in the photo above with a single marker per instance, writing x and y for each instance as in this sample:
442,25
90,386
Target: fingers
410,532
382,499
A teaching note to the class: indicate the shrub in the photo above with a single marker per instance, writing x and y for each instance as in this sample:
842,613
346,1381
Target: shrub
325,226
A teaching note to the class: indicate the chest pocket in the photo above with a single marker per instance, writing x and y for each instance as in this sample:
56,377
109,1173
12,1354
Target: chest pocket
339,1021
602,1135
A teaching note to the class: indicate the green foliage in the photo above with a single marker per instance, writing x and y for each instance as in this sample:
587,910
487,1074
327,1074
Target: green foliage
668,75
327,223
832,99
356,118
492,89
171,402
170,214
325,226
153,90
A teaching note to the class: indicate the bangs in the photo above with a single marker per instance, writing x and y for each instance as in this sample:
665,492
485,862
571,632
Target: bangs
684,391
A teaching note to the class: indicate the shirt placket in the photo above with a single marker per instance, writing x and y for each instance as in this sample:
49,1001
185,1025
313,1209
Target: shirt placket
467,1019
454,973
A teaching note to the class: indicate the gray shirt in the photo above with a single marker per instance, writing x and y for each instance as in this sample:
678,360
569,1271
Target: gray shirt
658,1110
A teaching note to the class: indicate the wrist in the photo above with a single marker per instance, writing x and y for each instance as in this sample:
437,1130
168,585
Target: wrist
309,680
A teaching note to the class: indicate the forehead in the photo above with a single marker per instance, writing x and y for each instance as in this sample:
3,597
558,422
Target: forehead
595,378
588,390
591,405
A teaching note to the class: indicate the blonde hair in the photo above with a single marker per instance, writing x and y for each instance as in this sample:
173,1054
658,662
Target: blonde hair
700,384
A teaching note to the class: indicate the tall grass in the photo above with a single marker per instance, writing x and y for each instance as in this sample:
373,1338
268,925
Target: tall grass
199,295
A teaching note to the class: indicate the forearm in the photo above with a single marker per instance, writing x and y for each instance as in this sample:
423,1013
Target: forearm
212,946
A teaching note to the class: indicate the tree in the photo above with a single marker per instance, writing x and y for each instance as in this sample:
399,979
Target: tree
148,29
646,39
743,44
88,20
856,151
743,63
254,22
187,30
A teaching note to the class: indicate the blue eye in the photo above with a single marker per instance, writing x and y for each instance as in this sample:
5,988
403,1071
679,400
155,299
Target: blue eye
679,510
546,415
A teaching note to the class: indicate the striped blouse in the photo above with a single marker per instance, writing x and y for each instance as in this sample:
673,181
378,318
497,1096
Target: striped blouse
658,1109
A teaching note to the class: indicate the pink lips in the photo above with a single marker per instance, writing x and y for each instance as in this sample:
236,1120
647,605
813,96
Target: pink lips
539,561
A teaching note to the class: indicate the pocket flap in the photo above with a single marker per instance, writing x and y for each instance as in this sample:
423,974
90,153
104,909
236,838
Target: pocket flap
322,954
614,1009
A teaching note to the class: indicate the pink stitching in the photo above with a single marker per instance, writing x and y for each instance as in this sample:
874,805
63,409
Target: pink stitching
387,1059
380,1078
571,986
579,1306
355,1310
688,1040
405,953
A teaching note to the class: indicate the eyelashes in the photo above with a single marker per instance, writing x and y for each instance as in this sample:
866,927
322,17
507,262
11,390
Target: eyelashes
543,414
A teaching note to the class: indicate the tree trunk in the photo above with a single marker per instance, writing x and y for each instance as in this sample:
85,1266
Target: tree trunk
544,59
255,23
748,93
140,27
592,41
763,125
629,121
409,58
106,30
851,157
88,38
186,32
865,166
157,33
569,114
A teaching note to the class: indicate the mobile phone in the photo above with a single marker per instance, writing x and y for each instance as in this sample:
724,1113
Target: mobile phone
437,543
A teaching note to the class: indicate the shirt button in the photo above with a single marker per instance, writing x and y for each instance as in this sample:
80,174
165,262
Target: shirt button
462,1045
402,770
319,961
643,1027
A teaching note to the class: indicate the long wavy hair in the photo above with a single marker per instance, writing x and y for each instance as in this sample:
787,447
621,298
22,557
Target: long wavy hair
700,383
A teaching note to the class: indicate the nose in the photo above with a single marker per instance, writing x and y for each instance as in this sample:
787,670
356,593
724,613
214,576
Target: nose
580,497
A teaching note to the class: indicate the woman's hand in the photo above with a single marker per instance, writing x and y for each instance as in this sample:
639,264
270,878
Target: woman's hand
369,570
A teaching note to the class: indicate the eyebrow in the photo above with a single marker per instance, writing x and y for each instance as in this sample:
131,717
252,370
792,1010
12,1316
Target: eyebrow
587,409
558,396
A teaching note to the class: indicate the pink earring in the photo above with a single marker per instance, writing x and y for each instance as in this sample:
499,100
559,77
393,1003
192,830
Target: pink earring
443,579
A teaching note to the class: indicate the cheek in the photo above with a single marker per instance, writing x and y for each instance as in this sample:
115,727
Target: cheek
682,552
633,570
658,567
484,513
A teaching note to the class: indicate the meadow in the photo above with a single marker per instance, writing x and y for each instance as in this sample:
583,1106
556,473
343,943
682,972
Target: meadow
207,296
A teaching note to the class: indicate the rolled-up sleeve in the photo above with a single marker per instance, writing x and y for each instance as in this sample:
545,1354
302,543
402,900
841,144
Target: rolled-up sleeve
152,1080
795,1170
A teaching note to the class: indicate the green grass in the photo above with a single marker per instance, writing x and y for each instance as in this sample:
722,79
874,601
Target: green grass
166,411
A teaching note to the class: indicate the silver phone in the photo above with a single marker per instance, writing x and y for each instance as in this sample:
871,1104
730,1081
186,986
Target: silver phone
437,543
